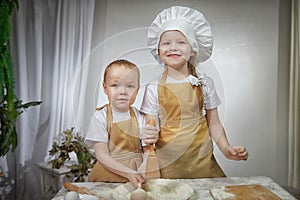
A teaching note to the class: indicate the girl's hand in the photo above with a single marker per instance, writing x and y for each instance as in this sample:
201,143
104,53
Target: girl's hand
150,134
135,179
236,153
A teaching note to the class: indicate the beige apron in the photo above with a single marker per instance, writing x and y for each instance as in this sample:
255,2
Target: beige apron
184,147
124,146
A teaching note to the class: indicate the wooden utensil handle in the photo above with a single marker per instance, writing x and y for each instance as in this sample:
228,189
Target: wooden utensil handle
84,190
81,190
151,121
71,187
152,148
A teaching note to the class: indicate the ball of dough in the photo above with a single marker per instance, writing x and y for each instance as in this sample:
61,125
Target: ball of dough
72,196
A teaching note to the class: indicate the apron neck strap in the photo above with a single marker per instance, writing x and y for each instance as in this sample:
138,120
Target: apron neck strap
109,119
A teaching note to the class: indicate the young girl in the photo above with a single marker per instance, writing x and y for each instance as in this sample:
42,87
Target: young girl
183,101
115,128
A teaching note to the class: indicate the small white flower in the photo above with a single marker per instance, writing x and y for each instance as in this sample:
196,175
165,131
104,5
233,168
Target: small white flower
197,81
202,79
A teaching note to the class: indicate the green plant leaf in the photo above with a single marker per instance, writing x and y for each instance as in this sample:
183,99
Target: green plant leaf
81,156
73,142
29,104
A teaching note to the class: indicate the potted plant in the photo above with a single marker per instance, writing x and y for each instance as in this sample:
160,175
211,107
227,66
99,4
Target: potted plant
73,142
10,105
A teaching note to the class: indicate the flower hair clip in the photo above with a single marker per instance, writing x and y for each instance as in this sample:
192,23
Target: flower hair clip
197,81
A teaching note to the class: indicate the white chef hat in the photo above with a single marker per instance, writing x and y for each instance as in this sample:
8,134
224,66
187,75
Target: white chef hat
188,21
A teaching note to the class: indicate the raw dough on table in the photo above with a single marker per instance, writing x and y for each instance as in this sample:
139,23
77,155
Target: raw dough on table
157,189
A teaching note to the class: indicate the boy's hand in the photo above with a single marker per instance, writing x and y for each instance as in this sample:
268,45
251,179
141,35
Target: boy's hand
236,153
135,179
150,134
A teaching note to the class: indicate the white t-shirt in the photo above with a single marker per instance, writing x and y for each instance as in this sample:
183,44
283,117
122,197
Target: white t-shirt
150,100
97,131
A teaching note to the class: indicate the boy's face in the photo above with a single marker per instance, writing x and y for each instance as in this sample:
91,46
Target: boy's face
121,87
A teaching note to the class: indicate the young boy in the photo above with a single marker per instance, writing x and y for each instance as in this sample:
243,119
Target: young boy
115,128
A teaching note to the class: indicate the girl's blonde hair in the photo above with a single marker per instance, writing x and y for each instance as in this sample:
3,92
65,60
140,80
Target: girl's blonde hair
192,69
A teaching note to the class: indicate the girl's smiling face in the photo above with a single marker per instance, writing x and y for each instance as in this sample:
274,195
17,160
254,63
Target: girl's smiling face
121,87
175,50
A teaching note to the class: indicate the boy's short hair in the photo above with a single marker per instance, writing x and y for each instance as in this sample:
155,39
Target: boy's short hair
123,62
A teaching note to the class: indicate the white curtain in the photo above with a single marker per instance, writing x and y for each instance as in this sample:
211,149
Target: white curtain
49,41
294,106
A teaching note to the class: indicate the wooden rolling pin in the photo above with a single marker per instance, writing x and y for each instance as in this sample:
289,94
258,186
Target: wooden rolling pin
81,190
152,166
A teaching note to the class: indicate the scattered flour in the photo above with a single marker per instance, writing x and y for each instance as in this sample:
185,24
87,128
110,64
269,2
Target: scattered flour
221,194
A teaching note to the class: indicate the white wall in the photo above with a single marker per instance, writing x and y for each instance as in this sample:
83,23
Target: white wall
244,65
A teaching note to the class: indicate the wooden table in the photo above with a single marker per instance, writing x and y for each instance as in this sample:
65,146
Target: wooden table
201,187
